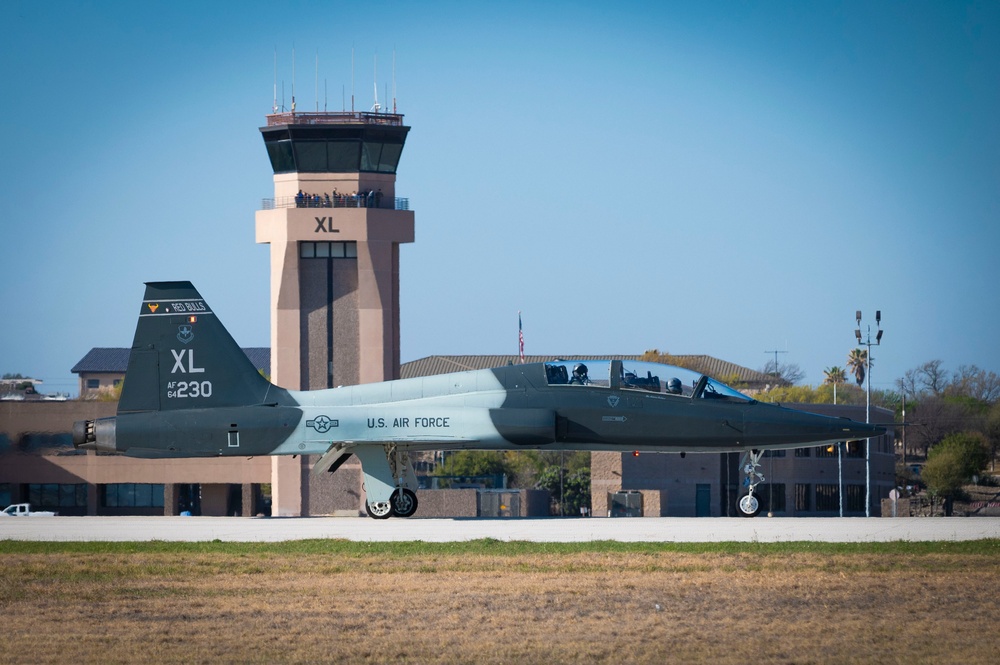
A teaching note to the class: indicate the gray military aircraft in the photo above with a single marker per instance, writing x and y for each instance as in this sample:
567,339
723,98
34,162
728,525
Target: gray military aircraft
191,392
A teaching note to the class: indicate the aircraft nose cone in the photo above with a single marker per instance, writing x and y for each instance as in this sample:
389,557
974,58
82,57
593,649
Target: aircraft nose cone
856,430
780,425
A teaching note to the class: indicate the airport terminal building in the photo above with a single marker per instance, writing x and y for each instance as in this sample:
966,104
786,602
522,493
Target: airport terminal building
335,227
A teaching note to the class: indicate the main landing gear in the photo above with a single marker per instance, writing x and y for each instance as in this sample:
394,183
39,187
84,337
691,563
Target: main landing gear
389,481
749,505
402,503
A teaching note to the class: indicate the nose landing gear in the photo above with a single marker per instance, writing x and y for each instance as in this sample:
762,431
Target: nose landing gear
749,505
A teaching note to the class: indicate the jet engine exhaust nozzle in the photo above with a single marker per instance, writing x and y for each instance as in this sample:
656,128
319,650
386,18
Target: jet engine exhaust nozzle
95,435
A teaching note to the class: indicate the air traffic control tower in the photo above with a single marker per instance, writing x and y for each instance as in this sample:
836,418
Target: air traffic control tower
334,226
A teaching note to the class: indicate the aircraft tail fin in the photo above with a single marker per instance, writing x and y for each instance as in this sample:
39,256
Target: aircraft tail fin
184,358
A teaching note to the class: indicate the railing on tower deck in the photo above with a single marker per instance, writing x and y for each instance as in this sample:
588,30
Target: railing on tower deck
335,118
344,201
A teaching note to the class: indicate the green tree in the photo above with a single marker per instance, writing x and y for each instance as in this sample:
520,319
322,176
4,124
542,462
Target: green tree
834,376
571,495
952,463
993,433
790,394
473,463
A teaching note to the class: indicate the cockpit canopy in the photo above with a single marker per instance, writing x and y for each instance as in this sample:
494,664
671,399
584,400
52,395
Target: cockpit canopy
639,375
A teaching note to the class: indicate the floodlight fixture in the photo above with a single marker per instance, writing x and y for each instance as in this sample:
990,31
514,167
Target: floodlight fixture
857,333
878,337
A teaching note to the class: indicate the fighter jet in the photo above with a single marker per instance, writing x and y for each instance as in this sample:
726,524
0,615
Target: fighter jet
191,392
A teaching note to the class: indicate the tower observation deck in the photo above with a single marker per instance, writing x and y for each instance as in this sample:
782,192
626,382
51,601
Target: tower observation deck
334,226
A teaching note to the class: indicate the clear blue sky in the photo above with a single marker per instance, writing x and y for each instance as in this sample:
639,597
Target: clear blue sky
702,178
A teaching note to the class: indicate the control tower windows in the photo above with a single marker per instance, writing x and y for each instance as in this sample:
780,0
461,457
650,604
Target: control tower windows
334,156
342,156
280,153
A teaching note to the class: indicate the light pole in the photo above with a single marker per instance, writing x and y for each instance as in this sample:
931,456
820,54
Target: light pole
868,396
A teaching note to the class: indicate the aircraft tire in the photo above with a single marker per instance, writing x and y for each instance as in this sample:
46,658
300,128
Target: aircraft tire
748,506
382,511
404,502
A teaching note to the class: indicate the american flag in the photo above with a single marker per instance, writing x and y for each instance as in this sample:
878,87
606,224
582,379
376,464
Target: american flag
520,337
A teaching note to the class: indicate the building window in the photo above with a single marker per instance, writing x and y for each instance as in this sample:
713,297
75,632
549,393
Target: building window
116,382
328,250
802,496
854,499
774,453
132,495
827,497
52,496
93,384
802,452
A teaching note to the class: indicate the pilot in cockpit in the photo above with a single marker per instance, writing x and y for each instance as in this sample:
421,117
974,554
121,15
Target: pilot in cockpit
579,375
674,386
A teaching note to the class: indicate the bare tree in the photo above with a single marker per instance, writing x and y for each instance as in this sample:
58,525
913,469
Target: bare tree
790,373
970,381
933,377
933,419
909,384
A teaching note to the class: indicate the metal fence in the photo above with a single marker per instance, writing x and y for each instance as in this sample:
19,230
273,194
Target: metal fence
334,118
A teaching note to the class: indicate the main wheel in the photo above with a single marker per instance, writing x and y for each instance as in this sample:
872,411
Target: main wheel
404,502
748,506
381,510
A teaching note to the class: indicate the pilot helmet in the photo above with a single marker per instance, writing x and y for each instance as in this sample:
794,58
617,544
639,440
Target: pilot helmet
579,369
674,386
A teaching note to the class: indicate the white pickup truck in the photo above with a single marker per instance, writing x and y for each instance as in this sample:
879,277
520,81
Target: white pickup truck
24,510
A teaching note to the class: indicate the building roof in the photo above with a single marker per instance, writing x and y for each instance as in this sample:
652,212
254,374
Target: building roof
718,369
102,360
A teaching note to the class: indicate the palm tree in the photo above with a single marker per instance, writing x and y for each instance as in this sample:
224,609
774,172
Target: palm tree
835,375
857,360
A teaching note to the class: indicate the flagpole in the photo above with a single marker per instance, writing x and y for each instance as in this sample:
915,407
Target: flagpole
520,337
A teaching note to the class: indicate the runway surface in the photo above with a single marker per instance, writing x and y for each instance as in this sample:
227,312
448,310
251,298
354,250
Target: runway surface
662,529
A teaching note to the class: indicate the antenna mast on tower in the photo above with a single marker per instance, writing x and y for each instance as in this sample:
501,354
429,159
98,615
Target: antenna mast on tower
274,104
376,107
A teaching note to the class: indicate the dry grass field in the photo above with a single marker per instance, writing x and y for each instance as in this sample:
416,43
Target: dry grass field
493,602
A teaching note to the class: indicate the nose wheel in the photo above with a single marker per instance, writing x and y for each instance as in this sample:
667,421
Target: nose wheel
749,505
